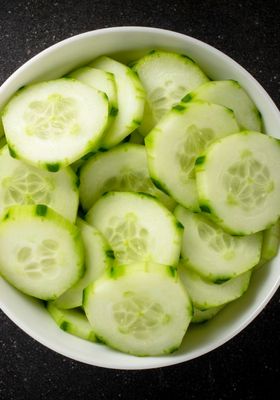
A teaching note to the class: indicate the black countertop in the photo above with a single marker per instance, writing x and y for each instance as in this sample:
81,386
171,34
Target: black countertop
247,367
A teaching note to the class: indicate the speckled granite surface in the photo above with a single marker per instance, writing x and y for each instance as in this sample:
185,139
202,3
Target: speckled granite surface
247,367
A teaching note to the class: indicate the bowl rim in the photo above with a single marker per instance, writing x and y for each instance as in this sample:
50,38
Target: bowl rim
214,343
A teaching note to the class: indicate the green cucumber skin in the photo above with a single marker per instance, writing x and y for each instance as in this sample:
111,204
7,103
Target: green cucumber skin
198,94
201,317
270,247
67,323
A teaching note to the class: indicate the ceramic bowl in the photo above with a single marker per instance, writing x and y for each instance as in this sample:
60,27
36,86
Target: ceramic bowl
125,43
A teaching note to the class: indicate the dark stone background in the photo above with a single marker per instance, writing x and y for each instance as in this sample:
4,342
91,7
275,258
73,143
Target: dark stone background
247,367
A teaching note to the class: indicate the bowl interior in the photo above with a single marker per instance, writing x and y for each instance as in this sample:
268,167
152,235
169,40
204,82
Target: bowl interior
126,44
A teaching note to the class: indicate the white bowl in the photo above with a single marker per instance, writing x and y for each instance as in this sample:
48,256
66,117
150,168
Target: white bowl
59,59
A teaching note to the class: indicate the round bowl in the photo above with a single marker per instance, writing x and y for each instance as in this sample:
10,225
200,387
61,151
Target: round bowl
29,314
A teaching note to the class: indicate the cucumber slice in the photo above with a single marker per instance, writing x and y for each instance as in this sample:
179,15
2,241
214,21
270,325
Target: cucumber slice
141,309
178,139
131,97
166,77
136,138
137,227
41,253
200,316
205,294
21,183
3,141
270,246
238,182
98,257
123,168
2,133
230,94
100,80
72,321
213,253
52,124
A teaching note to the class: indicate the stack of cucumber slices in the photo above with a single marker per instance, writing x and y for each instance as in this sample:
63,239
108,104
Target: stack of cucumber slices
136,199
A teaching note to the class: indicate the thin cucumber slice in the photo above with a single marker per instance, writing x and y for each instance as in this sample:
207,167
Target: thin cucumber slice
200,316
166,77
2,133
136,137
123,168
72,321
213,253
178,139
3,141
230,94
205,294
41,253
238,182
98,257
141,309
52,124
100,80
21,183
131,97
270,246
137,227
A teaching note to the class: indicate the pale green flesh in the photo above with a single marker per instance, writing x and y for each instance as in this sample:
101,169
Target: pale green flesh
72,321
213,253
270,246
52,124
21,184
137,227
98,257
230,94
239,184
206,295
200,316
166,77
178,139
130,96
2,133
3,141
123,168
41,255
142,310
100,80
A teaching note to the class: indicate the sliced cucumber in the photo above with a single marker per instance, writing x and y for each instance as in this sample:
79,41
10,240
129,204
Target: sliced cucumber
271,241
41,253
100,80
131,97
205,294
213,253
239,183
178,139
136,138
98,257
72,321
230,94
3,141
166,77
140,309
137,227
21,183
123,168
2,133
200,316
52,124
